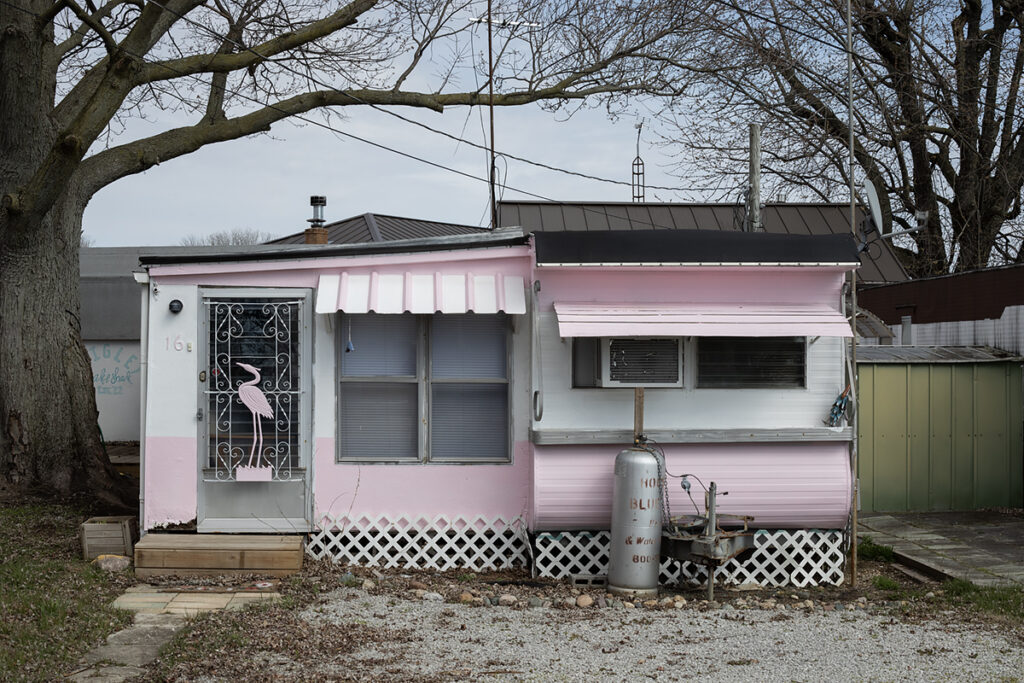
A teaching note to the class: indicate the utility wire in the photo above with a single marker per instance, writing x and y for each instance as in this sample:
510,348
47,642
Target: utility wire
406,119
408,155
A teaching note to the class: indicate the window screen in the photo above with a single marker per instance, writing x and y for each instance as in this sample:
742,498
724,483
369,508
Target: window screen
643,361
751,362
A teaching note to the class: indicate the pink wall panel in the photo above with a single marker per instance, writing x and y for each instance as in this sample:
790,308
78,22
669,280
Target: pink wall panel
171,480
695,285
785,485
354,490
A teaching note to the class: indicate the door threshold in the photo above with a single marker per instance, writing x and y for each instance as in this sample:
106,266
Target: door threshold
262,525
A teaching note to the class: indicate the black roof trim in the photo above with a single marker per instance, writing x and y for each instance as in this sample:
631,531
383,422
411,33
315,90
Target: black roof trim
497,238
692,246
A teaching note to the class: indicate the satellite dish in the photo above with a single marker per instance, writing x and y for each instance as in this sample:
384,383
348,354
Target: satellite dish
873,205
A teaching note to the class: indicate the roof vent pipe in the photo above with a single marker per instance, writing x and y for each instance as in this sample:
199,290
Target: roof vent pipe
316,233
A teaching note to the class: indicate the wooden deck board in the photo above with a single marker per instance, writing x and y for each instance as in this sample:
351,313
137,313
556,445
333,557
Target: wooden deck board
211,554
217,541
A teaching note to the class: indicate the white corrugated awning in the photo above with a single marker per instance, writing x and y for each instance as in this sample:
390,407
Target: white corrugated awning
398,292
707,320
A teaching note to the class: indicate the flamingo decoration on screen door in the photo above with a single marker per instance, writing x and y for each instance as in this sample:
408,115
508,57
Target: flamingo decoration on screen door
256,402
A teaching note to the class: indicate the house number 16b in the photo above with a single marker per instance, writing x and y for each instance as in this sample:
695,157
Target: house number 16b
178,344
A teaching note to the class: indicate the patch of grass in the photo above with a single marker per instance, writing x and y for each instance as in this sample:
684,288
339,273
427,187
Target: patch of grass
55,606
867,549
262,642
1003,601
884,583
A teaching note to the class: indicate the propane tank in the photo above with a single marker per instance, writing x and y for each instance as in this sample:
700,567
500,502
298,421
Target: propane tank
635,552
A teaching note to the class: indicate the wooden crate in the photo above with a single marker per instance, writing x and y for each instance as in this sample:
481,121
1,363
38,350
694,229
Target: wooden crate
217,554
108,536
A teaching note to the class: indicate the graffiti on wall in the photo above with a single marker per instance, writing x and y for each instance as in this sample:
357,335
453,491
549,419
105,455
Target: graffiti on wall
114,367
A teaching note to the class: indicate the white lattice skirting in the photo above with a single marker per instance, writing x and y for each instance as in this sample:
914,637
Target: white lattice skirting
795,557
441,543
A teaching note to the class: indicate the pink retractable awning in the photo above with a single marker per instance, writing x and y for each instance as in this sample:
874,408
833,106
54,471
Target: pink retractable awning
705,320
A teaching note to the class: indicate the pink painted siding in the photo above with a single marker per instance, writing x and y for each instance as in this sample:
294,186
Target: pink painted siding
769,285
786,485
357,490
171,480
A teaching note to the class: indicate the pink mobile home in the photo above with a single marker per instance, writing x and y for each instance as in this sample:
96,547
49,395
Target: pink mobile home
458,401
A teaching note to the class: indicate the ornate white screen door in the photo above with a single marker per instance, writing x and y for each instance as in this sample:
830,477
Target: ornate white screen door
254,441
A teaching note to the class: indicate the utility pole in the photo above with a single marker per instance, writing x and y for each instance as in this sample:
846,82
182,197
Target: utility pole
490,106
492,171
754,197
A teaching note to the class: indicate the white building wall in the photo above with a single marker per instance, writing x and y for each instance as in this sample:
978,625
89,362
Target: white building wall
566,408
173,362
116,379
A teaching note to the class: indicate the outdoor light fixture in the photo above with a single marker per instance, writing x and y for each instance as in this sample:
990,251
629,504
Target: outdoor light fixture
175,306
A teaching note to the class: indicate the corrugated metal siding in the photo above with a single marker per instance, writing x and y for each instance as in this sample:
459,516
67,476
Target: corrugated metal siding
1005,332
940,436
931,354
784,486
795,219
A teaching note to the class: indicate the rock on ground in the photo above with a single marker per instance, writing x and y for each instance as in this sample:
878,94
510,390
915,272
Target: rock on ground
452,641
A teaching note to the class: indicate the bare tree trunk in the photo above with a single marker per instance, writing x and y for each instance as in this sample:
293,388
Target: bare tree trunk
49,436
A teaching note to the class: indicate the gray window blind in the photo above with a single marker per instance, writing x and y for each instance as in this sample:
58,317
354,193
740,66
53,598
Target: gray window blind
469,422
379,420
468,346
383,345
644,361
751,362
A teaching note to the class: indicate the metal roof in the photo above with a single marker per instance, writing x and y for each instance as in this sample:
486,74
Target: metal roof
974,295
710,247
272,252
933,354
878,265
375,227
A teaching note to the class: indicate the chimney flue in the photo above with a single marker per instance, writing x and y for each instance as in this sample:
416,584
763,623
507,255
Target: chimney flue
316,233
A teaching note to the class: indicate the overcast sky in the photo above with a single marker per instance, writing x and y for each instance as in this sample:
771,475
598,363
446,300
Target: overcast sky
264,182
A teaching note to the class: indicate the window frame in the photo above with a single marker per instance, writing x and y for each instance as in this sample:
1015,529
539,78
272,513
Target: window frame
606,365
689,368
753,387
423,379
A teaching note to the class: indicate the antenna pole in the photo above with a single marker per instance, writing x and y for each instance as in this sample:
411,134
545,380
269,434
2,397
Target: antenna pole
638,168
853,304
754,198
490,106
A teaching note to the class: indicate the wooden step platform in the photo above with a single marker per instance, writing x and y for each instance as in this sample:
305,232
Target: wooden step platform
159,554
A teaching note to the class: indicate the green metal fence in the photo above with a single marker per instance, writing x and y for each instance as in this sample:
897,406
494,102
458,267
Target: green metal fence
940,436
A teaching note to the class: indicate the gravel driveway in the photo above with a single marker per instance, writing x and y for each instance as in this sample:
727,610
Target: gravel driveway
446,641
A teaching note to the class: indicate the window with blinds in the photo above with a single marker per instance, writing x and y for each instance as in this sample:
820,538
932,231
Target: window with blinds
751,362
424,388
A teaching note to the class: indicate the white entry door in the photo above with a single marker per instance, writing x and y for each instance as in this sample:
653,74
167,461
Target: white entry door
255,430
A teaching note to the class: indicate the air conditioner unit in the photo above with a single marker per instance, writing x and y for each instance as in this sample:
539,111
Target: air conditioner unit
634,362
